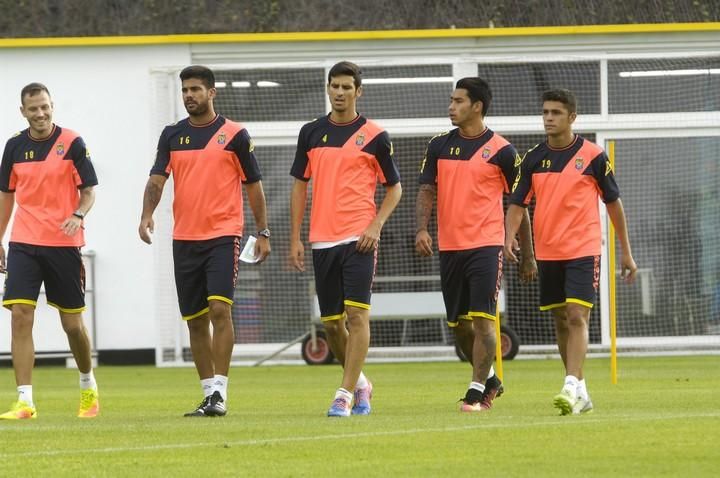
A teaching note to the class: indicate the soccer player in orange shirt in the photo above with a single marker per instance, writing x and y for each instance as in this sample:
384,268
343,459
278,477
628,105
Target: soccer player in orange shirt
47,171
345,155
468,169
210,157
568,175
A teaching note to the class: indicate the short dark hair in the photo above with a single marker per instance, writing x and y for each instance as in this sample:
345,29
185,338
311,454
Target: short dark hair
200,72
31,90
478,90
346,68
566,97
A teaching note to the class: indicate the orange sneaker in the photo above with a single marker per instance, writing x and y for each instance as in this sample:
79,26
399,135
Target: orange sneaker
19,410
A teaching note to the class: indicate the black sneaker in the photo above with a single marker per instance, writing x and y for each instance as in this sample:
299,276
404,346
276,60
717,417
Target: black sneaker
472,396
200,410
216,407
471,402
494,383
493,389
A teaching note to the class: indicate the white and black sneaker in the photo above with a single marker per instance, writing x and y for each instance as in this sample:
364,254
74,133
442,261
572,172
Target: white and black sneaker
216,407
200,410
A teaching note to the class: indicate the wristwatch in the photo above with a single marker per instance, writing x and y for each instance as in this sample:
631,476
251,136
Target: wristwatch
79,214
264,233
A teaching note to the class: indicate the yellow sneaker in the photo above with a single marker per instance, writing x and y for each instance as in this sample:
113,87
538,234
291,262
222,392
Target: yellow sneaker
565,401
89,404
19,410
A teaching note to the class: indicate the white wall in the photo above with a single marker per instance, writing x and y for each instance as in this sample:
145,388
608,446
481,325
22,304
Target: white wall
104,93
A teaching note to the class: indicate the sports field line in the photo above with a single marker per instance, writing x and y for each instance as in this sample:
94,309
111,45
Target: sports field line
566,421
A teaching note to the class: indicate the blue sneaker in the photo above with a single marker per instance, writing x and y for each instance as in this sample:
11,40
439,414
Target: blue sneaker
362,398
340,408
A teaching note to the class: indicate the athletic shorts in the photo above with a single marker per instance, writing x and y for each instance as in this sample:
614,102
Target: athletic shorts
343,276
471,282
572,281
60,268
204,271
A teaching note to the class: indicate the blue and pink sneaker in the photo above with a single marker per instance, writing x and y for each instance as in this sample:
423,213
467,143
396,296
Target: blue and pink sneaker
362,398
340,408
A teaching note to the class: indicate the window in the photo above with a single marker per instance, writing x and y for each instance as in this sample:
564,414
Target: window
271,94
517,89
664,85
418,91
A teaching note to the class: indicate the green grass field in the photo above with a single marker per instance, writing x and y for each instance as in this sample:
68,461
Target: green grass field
662,419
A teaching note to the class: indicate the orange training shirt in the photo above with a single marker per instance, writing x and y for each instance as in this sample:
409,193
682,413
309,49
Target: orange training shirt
45,177
567,184
471,176
208,163
345,162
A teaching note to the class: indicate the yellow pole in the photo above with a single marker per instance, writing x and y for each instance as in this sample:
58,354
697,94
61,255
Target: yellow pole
498,345
611,275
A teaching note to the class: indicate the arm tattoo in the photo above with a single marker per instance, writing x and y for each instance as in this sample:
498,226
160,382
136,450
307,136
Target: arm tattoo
526,238
424,206
152,196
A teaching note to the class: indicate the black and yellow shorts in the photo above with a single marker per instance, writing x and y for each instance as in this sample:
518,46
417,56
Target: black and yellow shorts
471,282
204,271
343,276
60,268
571,281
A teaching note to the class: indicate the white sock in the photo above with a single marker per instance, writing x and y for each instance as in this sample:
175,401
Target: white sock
342,393
207,386
220,383
362,381
571,383
491,372
480,387
582,390
25,394
87,381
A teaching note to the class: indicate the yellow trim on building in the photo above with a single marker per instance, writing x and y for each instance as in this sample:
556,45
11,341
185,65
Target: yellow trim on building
359,305
552,306
483,315
67,311
330,318
197,314
9,302
358,35
589,305
220,298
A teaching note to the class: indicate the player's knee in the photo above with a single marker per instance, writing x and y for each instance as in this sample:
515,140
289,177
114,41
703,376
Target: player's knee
560,320
22,322
576,319
334,328
73,328
483,326
219,311
22,312
358,318
72,324
484,332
